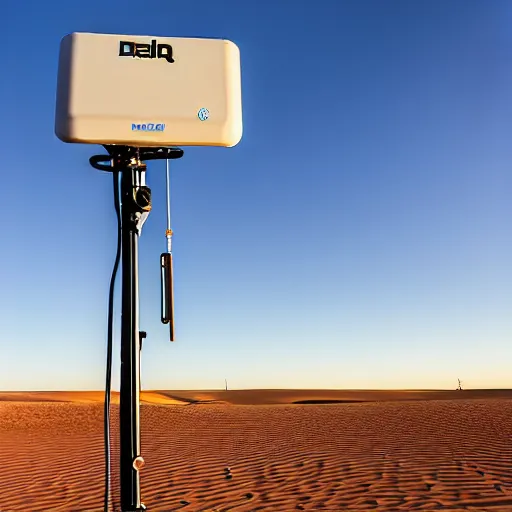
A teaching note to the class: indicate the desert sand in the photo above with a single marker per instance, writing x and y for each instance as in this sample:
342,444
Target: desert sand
286,449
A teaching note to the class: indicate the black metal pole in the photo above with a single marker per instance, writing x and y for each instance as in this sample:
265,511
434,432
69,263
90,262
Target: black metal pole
135,207
130,457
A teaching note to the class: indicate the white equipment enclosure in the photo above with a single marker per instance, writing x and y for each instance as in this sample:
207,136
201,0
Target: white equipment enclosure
148,91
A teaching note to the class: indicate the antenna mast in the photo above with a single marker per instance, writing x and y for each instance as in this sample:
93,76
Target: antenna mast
134,126
135,208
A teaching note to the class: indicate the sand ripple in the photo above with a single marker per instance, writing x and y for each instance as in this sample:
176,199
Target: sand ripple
390,456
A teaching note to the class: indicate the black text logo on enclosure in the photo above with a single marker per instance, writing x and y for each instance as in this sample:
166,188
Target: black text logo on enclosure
146,51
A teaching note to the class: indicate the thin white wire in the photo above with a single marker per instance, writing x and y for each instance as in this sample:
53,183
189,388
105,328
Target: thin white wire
168,183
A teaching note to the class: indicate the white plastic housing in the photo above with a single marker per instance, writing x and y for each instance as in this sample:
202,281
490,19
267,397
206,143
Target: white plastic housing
148,91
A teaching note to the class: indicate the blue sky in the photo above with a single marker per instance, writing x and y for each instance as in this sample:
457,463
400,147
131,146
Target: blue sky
359,236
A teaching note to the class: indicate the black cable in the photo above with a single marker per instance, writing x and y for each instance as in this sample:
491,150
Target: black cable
108,379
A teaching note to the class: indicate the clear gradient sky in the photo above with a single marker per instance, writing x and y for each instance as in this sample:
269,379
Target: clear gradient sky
359,236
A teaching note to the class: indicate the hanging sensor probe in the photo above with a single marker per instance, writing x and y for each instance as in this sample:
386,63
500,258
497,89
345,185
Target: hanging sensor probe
167,292
166,268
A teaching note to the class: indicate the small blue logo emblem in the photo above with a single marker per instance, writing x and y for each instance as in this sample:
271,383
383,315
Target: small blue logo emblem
203,114
148,127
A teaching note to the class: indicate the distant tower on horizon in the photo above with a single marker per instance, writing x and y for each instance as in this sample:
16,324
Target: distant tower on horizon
460,385
226,381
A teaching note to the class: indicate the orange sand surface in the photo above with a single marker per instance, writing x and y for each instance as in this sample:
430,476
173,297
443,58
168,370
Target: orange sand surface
386,451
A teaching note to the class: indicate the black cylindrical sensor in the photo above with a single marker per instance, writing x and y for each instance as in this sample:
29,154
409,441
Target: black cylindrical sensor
167,292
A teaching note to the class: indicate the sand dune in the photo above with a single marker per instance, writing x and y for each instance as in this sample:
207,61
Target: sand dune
296,396
259,396
382,454
86,397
